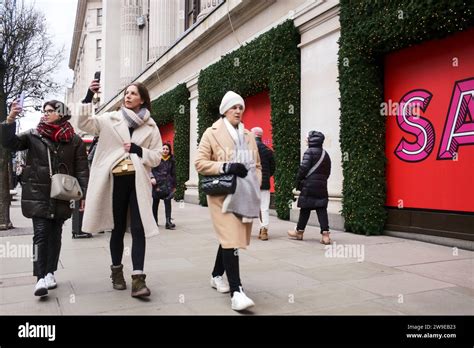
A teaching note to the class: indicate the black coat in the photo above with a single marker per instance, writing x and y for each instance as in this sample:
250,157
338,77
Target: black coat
268,163
36,181
165,174
314,189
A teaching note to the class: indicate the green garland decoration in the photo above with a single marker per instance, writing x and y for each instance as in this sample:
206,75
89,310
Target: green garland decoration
270,62
369,30
173,106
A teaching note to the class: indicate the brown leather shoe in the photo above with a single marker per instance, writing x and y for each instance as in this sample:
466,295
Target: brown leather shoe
296,234
263,234
139,288
325,239
118,281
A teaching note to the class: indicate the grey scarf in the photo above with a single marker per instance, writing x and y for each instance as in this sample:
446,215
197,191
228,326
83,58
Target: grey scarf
135,120
245,201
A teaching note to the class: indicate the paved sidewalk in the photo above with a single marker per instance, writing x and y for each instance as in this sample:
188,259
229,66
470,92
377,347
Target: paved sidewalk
381,275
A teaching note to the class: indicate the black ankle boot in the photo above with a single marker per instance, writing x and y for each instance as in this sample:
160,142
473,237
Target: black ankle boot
169,224
81,235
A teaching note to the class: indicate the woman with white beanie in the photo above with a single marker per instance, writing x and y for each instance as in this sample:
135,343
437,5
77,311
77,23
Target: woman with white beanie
228,148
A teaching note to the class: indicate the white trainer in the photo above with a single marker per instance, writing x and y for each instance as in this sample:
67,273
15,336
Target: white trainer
220,284
50,281
41,288
240,301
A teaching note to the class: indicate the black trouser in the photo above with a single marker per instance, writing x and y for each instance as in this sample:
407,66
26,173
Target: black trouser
322,217
156,203
228,260
125,196
46,245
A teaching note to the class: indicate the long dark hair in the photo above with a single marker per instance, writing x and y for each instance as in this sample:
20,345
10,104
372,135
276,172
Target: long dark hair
143,92
169,148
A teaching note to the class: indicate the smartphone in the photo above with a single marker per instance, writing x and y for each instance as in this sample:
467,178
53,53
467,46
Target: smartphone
21,99
97,76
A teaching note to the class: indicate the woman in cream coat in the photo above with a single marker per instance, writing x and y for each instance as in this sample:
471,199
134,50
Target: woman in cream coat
227,147
117,202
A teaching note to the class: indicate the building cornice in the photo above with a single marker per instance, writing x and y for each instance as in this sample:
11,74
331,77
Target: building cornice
317,19
206,33
76,37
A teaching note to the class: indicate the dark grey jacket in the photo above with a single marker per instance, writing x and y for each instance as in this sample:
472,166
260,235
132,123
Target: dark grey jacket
268,163
36,181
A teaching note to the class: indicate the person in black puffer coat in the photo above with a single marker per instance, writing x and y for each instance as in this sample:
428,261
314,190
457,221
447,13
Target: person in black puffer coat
164,184
55,134
313,187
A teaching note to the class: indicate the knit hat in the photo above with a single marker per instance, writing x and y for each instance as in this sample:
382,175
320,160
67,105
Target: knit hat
257,131
230,99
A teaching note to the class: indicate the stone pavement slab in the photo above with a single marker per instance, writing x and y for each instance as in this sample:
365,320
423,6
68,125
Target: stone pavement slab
282,276
396,284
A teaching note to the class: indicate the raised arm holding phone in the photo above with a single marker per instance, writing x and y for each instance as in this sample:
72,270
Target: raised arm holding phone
129,146
53,147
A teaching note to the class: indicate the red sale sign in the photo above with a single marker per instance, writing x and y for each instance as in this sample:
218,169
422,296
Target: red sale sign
429,105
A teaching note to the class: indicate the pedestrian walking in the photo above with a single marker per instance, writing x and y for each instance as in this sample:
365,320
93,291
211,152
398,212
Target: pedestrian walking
228,148
268,169
164,184
52,141
312,181
129,146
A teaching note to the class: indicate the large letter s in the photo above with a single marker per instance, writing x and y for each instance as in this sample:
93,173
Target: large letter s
416,125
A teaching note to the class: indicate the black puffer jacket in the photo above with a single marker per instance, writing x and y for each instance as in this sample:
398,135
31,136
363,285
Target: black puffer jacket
36,183
314,189
268,163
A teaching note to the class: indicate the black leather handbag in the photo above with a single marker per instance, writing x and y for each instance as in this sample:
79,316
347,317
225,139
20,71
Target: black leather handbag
217,185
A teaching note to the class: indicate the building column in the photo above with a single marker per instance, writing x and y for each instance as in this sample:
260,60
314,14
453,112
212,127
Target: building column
319,27
206,7
130,41
192,193
163,22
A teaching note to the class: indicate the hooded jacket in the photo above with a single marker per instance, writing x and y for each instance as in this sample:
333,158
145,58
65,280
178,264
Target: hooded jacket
314,188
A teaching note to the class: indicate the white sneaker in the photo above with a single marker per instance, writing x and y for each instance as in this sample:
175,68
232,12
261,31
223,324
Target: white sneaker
220,284
50,281
240,301
41,288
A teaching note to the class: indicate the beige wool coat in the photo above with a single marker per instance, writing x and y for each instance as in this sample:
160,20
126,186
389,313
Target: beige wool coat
113,131
216,148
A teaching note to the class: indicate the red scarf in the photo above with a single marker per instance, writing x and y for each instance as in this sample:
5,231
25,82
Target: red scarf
57,132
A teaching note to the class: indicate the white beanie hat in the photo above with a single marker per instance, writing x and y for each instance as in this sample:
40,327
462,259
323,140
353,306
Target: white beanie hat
230,99
257,131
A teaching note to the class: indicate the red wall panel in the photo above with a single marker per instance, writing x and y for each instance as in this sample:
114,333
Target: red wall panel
429,91
258,114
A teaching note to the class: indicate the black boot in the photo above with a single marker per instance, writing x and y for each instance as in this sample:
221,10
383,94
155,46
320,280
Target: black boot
81,235
169,224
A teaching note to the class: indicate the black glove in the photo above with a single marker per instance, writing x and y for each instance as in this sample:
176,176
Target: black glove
236,168
89,97
134,148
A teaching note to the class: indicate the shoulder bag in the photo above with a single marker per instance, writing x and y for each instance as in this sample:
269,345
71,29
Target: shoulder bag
217,185
64,186
124,167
